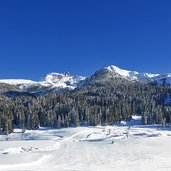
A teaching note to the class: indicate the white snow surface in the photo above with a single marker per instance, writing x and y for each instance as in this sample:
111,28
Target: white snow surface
128,146
17,81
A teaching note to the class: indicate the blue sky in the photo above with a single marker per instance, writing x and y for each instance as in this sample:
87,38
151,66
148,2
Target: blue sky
81,36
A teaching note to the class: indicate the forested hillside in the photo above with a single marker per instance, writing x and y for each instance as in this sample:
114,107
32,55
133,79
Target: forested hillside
98,102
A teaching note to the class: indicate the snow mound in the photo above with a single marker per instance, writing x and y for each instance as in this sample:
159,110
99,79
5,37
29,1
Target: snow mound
136,120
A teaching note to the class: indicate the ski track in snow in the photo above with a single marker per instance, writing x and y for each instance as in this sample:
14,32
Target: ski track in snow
101,148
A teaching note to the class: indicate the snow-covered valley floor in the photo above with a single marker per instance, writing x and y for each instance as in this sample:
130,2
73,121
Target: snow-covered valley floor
101,148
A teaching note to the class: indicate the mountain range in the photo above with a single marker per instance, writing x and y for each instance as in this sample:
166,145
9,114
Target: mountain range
108,96
65,81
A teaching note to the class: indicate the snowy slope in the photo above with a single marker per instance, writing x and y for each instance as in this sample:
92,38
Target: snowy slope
62,80
88,148
51,81
142,77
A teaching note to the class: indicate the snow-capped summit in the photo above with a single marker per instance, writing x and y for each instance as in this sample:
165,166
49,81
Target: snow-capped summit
142,77
122,72
58,80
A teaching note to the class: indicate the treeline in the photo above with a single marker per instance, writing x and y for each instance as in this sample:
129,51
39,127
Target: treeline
97,103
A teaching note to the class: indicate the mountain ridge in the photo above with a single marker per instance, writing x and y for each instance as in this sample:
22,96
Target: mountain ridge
136,76
65,80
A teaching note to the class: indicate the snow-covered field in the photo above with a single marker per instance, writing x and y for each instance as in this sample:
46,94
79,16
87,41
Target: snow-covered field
102,148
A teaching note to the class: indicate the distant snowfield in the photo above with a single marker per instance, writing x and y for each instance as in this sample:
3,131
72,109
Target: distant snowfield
101,148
